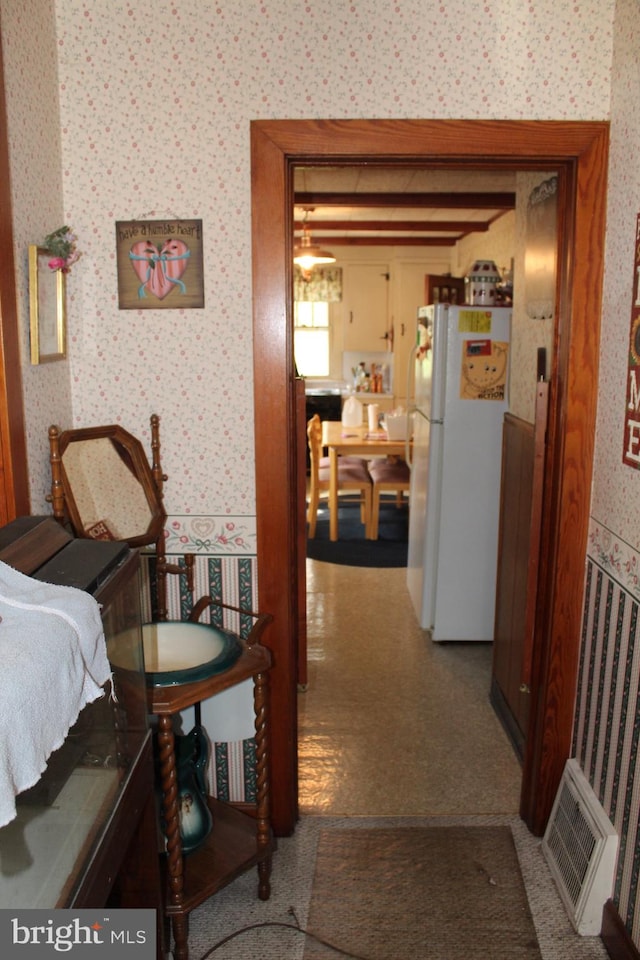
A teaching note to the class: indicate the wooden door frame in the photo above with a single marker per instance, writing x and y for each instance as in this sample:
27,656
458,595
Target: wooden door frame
14,484
578,151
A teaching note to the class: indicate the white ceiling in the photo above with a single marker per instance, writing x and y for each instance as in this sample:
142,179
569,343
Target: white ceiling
444,218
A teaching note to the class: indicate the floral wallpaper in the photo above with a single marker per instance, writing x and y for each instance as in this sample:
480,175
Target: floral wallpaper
155,105
616,490
31,89
606,724
120,111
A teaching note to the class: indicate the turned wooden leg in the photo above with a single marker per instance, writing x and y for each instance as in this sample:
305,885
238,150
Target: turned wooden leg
180,924
169,784
261,705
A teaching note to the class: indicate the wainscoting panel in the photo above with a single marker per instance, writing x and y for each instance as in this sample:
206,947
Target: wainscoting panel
232,771
607,722
510,635
231,578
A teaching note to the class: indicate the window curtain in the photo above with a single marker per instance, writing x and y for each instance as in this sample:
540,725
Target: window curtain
323,284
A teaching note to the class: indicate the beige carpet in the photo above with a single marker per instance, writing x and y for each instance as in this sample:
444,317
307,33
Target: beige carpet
450,893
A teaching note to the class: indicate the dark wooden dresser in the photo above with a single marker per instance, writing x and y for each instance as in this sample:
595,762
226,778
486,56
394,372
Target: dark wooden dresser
108,852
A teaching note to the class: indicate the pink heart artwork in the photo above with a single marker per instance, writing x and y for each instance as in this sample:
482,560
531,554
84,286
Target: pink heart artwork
159,271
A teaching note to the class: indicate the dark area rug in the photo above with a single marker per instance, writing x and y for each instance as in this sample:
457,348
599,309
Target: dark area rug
352,549
447,893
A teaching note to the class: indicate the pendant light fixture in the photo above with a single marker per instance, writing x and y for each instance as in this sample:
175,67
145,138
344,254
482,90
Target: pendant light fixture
306,254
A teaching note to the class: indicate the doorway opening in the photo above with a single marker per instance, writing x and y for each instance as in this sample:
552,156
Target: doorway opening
359,200
579,152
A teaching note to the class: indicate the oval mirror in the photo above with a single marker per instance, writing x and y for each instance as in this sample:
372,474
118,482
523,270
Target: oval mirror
103,484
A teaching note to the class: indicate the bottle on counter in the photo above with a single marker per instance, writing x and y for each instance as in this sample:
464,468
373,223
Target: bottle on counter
360,377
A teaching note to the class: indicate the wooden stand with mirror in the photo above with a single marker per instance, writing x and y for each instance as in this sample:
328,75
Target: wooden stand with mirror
103,486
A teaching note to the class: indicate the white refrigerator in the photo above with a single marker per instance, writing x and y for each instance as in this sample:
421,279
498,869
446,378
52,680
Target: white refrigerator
461,394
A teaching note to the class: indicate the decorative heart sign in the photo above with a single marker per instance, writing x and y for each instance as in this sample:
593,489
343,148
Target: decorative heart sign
156,257
159,270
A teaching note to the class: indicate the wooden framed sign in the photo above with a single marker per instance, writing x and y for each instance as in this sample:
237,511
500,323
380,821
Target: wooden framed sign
159,264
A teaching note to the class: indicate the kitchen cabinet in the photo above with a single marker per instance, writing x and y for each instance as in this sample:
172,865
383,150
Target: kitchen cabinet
408,295
379,310
443,289
365,306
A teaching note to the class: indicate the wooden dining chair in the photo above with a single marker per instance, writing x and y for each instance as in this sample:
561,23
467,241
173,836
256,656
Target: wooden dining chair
352,475
389,473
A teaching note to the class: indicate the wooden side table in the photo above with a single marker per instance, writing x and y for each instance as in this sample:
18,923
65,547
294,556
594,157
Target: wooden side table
238,839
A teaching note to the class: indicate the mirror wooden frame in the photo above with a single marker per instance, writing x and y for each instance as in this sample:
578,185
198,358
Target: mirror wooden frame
151,479
62,495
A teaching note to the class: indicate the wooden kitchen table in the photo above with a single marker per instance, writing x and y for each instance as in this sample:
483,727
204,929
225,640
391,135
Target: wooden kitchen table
355,442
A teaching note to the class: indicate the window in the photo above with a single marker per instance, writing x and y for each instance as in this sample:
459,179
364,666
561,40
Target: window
311,338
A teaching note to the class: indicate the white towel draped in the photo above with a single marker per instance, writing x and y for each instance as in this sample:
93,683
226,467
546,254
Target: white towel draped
53,661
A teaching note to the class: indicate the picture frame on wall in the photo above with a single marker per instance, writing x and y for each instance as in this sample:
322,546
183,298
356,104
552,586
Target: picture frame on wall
159,264
47,303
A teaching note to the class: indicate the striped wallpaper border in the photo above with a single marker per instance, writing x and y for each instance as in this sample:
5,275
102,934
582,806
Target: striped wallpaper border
615,556
606,733
231,773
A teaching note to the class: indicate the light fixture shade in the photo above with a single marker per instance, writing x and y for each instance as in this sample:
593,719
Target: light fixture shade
308,255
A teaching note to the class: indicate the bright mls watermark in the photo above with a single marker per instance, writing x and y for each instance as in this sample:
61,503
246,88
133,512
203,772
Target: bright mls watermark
79,934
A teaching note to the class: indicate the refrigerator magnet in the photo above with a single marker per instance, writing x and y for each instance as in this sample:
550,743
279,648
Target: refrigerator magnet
484,370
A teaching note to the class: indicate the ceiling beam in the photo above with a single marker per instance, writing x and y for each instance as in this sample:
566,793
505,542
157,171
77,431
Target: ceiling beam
449,201
390,241
431,226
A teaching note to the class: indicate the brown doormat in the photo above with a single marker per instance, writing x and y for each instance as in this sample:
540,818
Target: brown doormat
447,893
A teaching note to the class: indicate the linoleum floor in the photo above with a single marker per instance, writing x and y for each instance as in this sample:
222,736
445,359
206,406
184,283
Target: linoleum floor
390,726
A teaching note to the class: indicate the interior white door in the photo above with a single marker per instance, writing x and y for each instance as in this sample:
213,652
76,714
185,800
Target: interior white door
366,306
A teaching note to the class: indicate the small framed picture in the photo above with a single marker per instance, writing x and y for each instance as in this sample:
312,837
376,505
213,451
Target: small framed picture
47,297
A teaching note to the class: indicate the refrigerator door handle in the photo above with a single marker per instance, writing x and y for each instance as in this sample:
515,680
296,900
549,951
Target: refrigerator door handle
411,404
410,380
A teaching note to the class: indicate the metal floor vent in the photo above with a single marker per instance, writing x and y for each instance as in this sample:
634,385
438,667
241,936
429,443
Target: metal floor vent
580,845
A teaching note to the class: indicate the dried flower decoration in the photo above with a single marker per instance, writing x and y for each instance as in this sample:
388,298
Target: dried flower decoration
61,244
